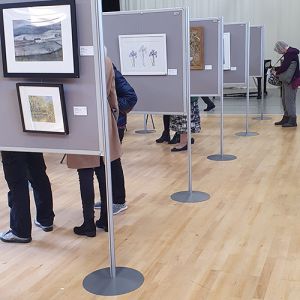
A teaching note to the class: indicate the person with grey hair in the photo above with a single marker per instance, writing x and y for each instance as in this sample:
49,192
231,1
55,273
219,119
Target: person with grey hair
287,73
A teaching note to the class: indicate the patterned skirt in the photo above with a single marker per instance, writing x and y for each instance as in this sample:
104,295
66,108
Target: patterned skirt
178,123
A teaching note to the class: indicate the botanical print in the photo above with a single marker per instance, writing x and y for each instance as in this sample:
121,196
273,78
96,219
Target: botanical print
42,109
38,41
143,54
197,48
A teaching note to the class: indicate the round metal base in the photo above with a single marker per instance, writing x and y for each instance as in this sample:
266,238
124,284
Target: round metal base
247,133
100,282
262,118
145,131
219,157
187,197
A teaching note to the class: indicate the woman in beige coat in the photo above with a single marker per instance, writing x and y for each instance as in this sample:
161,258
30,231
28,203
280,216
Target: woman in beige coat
87,165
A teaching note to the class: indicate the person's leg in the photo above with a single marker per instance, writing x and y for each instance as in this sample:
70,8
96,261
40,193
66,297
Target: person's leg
86,183
290,102
285,117
165,137
209,103
41,190
15,171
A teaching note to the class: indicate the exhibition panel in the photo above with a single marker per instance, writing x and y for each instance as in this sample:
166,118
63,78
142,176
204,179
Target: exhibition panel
256,66
74,130
207,81
152,48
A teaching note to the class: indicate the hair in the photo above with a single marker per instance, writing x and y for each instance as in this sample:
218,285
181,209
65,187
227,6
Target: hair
280,47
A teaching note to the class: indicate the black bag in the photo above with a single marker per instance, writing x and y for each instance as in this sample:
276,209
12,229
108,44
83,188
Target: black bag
274,80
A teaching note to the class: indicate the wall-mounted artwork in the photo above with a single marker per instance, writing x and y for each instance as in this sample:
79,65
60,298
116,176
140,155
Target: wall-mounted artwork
143,54
42,108
39,39
226,57
197,48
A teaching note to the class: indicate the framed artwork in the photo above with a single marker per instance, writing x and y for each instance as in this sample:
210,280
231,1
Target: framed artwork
39,39
226,58
42,108
143,54
197,48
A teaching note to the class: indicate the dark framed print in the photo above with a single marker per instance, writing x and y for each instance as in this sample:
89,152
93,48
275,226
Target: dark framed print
43,108
39,39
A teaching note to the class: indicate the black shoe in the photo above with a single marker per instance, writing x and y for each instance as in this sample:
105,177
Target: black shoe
175,139
102,225
184,148
165,137
209,107
86,229
292,122
284,120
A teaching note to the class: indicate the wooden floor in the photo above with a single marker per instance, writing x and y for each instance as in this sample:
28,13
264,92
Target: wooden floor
244,243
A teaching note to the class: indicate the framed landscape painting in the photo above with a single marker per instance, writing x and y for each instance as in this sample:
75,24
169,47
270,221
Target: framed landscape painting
197,48
143,54
39,39
42,108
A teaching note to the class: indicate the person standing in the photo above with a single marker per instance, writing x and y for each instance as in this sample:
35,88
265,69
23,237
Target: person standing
87,165
209,103
19,168
290,63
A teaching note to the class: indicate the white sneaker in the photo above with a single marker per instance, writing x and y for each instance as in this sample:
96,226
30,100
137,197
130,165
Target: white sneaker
117,208
10,237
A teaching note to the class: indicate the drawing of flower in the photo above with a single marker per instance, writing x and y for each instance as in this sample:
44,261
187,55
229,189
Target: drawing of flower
143,51
133,56
153,55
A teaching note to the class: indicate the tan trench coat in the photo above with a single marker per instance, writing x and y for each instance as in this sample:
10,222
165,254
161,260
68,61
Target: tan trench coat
75,161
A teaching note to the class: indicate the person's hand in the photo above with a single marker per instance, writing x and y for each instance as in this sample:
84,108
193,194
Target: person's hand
273,72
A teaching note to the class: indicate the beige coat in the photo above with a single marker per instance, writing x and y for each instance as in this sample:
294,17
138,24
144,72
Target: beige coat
75,161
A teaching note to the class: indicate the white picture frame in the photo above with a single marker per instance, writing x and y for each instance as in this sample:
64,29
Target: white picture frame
143,54
227,52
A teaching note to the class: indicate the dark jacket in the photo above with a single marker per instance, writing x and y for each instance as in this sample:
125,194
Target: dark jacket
126,97
289,56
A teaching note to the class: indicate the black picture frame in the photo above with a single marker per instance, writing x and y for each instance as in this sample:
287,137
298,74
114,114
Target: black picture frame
42,98
64,61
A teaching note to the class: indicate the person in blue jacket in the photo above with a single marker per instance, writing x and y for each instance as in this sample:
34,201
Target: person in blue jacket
126,99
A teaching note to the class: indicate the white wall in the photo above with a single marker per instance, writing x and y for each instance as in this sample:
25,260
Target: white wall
280,18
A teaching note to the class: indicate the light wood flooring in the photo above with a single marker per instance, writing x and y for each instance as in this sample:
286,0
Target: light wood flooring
244,243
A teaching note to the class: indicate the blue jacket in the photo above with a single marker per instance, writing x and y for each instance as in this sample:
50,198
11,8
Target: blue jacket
126,97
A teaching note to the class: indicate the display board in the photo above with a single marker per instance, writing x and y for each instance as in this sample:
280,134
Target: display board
239,52
160,94
80,99
207,82
256,67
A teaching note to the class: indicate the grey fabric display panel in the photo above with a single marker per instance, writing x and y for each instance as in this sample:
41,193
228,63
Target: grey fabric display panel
238,53
256,66
84,130
208,82
156,94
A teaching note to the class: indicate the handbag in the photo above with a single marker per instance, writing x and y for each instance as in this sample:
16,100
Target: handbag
288,75
274,80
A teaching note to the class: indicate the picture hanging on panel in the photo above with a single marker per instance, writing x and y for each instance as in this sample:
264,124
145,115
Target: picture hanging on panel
143,54
226,58
197,48
43,108
39,39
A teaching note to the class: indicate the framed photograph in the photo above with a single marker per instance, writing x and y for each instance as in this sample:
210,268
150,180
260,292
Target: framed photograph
197,48
143,54
39,39
226,58
43,108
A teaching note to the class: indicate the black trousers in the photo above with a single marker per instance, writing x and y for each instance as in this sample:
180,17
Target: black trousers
86,181
19,168
207,101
